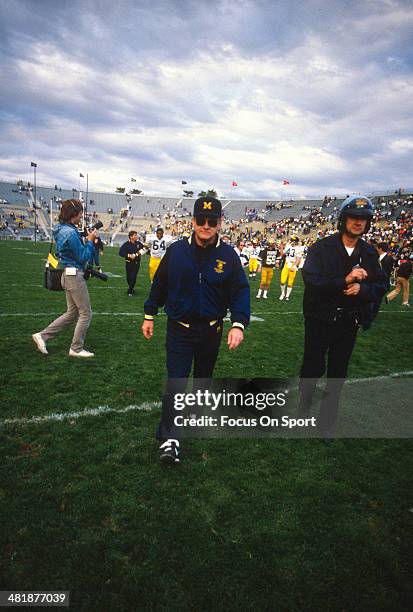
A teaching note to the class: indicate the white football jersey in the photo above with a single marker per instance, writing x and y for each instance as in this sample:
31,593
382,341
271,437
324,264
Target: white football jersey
293,254
158,245
253,252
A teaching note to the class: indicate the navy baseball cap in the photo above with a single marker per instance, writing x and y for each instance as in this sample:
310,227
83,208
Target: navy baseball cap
207,206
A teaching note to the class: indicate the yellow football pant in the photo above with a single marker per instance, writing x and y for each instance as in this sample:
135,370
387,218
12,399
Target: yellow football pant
266,276
153,266
253,265
287,276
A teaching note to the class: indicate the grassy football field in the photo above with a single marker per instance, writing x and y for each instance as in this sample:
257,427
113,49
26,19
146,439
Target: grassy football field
241,524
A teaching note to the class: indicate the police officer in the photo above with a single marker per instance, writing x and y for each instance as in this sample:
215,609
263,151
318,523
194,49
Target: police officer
131,251
343,282
197,281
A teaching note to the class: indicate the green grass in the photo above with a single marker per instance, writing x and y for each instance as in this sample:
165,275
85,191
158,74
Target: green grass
241,524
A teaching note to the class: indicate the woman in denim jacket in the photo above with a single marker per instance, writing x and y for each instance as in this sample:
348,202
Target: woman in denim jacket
73,256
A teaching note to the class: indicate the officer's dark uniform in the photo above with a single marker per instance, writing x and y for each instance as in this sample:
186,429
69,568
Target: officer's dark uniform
332,318
131,265
197,286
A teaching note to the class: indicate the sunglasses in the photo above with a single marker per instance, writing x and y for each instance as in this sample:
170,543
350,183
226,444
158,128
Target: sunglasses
212,222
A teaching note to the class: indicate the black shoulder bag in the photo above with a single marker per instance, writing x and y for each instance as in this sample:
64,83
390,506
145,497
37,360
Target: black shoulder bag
52,274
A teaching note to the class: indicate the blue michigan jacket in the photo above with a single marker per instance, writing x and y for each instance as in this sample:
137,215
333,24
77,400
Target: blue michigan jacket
194,283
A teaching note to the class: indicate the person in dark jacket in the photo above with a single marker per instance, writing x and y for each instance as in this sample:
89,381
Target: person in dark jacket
98,249
197,281
131,251
386,261
403,275
343,283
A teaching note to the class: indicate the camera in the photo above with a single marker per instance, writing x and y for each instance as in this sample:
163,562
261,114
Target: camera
87,229
89,271
96,226
90,228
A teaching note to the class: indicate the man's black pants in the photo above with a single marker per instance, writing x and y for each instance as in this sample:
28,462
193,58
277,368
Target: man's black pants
132,270
336,342
197,344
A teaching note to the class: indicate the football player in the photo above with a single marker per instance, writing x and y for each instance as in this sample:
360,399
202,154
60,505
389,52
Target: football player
157,244
254,254
293,255
268,257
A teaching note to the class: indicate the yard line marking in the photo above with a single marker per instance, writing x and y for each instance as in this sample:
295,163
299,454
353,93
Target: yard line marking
300,312
64,416
352,381
254,316
117,287
52,314
149,406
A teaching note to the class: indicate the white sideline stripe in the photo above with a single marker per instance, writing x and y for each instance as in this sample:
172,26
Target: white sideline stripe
352,381
52,314
133,314
300,312
148,406
64,416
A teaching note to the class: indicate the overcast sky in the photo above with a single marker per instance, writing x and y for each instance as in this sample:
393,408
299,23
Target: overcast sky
316,92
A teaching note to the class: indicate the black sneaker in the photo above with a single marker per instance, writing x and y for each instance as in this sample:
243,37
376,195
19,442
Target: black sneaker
169,452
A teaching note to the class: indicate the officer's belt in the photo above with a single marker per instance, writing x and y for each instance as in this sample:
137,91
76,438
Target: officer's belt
346,315
188,325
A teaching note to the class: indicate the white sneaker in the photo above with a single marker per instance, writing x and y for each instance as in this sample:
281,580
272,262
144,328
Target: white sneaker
40,343
169,452
286,299
258,296
81,353
281,297
405,304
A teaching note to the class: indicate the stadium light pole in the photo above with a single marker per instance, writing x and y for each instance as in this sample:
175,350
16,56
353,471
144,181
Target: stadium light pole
34,166
51,216
87,190
87,195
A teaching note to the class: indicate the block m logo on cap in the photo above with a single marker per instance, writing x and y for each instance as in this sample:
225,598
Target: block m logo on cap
207,206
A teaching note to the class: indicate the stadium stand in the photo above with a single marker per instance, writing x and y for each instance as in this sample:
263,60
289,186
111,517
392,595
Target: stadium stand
121,213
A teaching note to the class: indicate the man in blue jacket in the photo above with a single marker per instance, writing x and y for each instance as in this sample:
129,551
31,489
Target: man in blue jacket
197,281
343,284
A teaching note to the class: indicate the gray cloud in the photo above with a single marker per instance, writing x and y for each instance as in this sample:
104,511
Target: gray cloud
317,92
